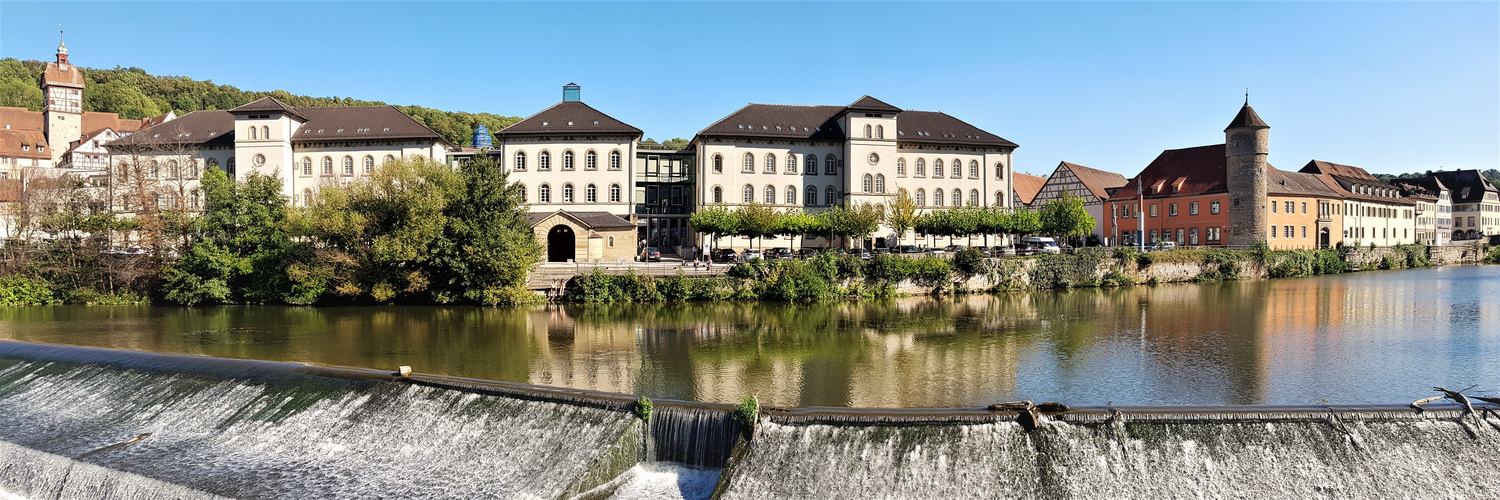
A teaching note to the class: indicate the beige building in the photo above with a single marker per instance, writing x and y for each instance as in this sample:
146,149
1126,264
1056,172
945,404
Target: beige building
584,236
814,157
1372,211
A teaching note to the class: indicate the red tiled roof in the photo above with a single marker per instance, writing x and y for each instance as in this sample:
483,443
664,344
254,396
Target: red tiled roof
13,118
69,75
1026,187
24,144
1201,170
1098,181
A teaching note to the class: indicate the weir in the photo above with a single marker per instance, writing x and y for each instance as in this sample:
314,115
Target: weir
122,424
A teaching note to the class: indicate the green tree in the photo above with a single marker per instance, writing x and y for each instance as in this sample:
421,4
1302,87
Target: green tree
902,214
715,220
757,221
1025,221
1065,216
848,222
20,93
488,247
242,248
799,223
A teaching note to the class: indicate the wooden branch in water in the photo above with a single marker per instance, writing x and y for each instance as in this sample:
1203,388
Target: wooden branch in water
1457,397
1026,405
1417,405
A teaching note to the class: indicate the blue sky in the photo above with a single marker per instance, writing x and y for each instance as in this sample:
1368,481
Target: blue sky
1392,87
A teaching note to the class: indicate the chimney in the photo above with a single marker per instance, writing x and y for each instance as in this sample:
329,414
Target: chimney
572,92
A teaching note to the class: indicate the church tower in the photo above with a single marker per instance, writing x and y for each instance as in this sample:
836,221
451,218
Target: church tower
62,111
1246,142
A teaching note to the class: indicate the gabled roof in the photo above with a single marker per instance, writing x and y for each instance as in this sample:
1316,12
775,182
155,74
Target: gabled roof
814,123
14,118
935,127
95,120
867,103
1281,182
1099,182
359,123
1457,180
1332,173
589,220
1333,184
88,137
29,144
268,105
1247,119
63,74
1026,187
196,128
1201,170
1349,172
568,117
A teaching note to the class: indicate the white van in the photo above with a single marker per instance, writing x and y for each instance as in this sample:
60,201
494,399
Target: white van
1041,244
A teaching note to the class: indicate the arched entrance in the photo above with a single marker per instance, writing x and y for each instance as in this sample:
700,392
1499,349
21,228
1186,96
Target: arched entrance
1323,238
560,244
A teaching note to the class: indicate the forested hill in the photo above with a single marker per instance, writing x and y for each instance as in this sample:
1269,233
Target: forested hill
133,93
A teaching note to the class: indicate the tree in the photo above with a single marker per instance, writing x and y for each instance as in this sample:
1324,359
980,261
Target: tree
1065,216
715,220
757,221
1025,221
902,214
799,223
242,249
488,247
847,222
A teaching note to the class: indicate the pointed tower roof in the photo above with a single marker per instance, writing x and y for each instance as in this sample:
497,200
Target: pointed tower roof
1247,119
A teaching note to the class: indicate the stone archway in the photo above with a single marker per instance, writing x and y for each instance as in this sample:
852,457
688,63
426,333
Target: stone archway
1323,237
561,244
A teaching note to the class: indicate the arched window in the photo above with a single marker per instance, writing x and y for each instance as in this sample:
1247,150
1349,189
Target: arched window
614,160
937,198
718,194
748,195
520,161
974,197
568,193
253,133
937,168
999,171
544,160
770,194
213,162
544,194
810,198
229,167
614,193
868,134
522,187
958,198
921,167
192,170
921,198
590,194
265,132
306,166
958,168
901,167
749,167
718,164
155,169
879,183
974,169
791,163
791,195
830,196
830,165
869,184
880,131
195,203
770,163
999,199
307,197
568,160
369,164
173,169
348,166
327,165
390,158
810,166
591,160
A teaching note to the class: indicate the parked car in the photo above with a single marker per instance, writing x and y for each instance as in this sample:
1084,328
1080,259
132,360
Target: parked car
782,253
935,251
985,251
1161,246
724,255
806,253
1042,244
1002,251
840,252
750,254
910,249
953,248
882,251
863,254
650,254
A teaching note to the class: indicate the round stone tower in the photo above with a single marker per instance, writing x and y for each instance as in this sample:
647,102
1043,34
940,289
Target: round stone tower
1246,142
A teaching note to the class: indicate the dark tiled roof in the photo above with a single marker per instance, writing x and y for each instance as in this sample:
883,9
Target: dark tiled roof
1201,170
569,117
1247,118
868,103
200,128
1332,173
57,74
267,105
359,123
1099,182
1457,180
1280,182
816,123
931,127
589,220
1026,187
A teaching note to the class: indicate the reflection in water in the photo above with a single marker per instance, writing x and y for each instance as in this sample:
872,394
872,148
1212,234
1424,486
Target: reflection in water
1382,337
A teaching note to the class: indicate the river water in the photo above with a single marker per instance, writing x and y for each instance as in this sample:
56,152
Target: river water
1366,338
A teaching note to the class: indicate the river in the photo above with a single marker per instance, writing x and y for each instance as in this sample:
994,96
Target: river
1365,338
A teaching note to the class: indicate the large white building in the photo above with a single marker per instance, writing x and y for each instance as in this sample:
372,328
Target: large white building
814,157
572,157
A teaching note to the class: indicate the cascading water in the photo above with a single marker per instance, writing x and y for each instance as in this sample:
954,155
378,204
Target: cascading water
701,437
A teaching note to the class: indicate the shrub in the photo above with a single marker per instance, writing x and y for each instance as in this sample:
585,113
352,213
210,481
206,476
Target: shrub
930,272
968,262
1144,260
23,291
1063,271
746,411
643,408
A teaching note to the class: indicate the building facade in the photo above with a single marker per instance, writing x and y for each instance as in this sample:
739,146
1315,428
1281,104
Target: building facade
1092,185
1475,200
665,196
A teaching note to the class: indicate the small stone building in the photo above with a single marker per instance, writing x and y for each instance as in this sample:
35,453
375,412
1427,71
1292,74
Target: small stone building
584,236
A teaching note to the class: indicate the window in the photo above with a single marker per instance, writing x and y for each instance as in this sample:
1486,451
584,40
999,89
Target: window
544,194
306,166
1304,207
880,183
749,194
937,168
1291,207
1193,236
1172,210
958,198
307,199
1291,232
830,196
253,133
810,198
999,171
791,163
229,165
770,163
974,197
1273,206
174,170
937,198
791,195
770,194
544,160
1213,234
999,199
749,167
718,194
1193,209
1213,208
369,164
869,134
214,163
348,166
1304,231
611,241
810,166
265,132
880,131
522,187
568,160
1153,237
591,161
1153,210
901,167
1179,236
830,165
327,164
194,204
958,168
718,162
869,184
921,167
567,193
974,169
921,197
258,160
1273,229
390,158
520,160
614,160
